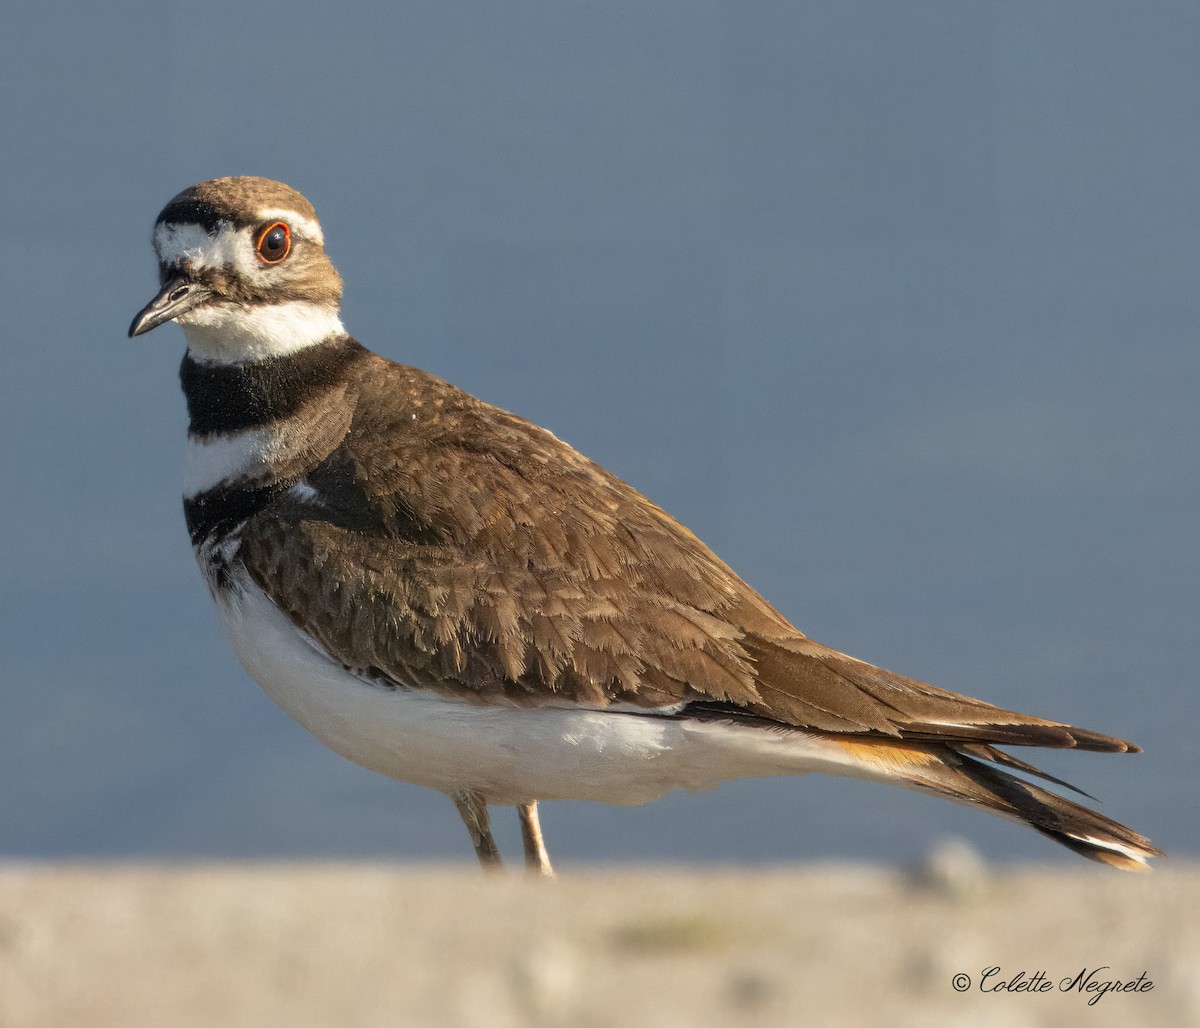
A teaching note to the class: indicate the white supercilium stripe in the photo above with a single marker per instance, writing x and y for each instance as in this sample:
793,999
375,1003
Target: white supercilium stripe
299,224
228,246
230,334
221,459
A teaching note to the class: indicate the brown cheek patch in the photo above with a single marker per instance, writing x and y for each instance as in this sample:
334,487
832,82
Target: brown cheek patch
305,277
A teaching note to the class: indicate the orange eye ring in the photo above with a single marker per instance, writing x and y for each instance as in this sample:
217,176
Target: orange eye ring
274,242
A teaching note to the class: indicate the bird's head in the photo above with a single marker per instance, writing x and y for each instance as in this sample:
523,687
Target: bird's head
243,270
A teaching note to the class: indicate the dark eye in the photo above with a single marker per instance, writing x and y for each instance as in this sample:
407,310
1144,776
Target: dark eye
274,243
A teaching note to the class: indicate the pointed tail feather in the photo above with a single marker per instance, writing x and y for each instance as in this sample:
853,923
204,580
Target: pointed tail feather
951,771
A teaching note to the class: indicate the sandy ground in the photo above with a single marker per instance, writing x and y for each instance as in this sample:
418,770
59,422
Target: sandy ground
370,944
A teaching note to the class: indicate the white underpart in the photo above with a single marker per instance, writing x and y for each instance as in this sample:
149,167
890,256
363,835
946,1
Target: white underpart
509,754
230,334
217,551
223,459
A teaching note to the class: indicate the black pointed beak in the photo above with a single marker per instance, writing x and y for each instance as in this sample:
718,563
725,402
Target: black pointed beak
177,297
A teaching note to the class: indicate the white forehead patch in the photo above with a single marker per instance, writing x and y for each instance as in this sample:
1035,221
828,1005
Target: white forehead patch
298,223
226,247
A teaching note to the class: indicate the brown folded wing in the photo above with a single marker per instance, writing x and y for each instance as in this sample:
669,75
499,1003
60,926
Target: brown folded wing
482,557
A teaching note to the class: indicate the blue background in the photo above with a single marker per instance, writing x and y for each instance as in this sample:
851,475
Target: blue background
894,304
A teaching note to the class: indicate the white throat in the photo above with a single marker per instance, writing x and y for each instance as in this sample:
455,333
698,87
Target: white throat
235,334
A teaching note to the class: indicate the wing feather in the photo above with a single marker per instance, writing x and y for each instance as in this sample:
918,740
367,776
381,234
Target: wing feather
482,557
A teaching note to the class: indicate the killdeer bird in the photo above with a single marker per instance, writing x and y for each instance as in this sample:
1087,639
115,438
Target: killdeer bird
448,595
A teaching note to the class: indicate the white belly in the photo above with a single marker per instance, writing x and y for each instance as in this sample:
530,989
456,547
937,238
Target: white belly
508,754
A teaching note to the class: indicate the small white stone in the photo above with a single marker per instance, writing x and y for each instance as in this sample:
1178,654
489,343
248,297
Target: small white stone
952,868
